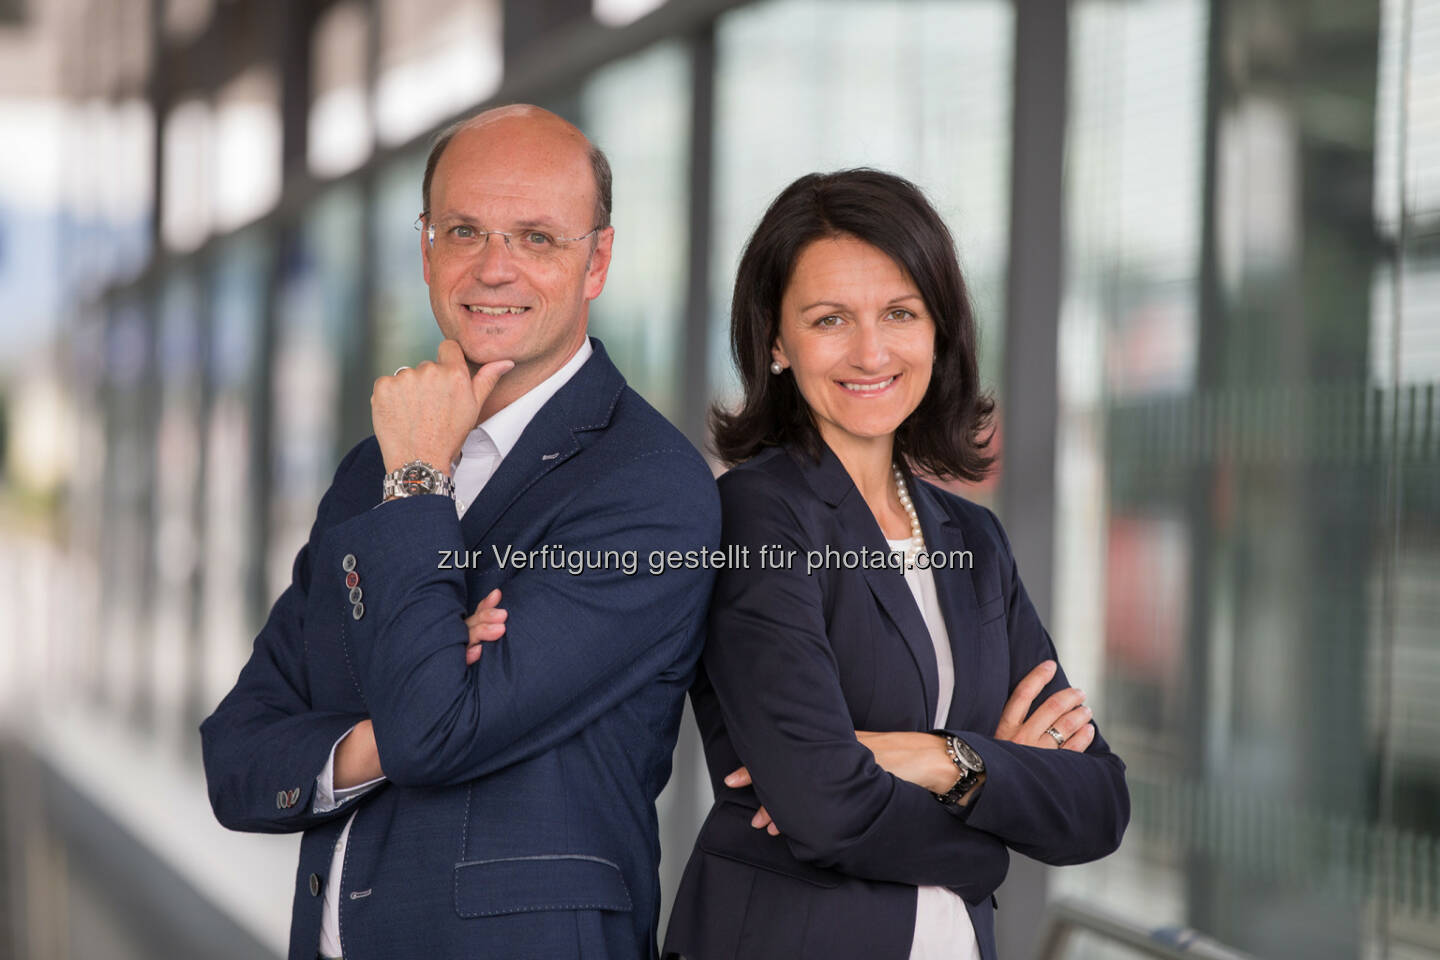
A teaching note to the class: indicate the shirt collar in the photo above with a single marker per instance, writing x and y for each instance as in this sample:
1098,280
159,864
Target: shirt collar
503,428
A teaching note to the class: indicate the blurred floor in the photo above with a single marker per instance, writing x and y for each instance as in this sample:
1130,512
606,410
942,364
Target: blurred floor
77,884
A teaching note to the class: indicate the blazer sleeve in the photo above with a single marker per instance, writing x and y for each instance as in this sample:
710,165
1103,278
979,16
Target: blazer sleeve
1057,806
575,645
775,676
264,746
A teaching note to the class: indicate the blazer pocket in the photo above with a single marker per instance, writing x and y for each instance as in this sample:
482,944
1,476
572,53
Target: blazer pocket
992,609
491,888
727,833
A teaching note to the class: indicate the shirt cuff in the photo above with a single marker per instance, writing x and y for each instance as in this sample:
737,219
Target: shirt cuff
327,798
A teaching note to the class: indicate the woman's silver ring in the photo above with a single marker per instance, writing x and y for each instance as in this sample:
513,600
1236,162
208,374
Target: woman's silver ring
398,369
1056,736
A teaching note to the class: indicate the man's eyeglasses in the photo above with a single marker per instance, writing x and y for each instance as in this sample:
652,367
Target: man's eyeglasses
461,238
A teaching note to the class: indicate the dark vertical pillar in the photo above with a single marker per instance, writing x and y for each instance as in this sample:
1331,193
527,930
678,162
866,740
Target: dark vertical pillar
296,23
1200,492
687,804
1031,388
695,339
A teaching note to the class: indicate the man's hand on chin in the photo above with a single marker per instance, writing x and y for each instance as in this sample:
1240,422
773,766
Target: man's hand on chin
425,412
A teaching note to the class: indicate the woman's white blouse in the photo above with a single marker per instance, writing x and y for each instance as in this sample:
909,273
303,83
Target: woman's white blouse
942,925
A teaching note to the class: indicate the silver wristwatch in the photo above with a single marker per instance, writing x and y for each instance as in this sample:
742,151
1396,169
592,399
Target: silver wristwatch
968,762
415,478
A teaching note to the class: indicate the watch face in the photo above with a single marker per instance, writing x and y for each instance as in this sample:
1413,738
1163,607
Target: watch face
968,756
416,479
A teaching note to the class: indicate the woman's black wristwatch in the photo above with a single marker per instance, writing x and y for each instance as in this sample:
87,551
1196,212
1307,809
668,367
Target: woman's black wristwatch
968,762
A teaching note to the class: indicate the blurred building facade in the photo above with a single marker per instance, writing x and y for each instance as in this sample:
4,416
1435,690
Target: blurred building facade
1204,242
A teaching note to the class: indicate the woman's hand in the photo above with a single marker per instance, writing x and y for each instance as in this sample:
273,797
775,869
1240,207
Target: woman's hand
740,777
1065,711
487,624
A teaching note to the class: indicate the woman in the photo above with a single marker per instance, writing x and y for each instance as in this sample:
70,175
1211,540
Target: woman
877,653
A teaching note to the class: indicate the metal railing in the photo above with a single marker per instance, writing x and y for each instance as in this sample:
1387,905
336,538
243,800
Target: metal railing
1065,918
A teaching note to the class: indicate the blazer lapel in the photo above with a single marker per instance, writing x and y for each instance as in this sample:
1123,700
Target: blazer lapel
955,588
529,461
894,594
829,479
585,403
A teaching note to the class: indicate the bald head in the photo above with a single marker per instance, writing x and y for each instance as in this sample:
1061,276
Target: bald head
539,127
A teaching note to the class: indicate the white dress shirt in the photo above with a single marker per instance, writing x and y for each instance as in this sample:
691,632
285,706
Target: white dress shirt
480,457
943,930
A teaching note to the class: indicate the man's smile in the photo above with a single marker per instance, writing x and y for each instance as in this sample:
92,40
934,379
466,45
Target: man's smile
494,311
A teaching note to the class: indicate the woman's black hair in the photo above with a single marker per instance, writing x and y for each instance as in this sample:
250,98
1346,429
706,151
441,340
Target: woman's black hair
948,434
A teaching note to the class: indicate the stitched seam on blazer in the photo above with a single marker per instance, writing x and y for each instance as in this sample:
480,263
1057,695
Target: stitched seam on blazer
455,878
1000,605
543,856
559,905
350,667
339,900
606,476
464,830
609,411
633,460
565,808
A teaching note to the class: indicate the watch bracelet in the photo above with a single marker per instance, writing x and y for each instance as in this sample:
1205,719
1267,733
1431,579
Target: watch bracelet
967,777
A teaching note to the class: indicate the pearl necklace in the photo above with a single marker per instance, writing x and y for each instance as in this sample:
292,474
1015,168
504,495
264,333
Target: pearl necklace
917,539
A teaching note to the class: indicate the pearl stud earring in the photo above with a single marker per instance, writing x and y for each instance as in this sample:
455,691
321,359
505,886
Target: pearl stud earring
775,367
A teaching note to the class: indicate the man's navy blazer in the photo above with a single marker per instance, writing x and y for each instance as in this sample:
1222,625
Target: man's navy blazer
518,819
796,662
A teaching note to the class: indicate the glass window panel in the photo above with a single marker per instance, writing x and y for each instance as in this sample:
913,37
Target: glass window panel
319,330
179,365
1129,313
125,542
918,89
437,57
247,160
226,624
1247,524
128,198
340,135
33,274
1405,307
638,112
405,328
77,644
187,201
108,185
1405,363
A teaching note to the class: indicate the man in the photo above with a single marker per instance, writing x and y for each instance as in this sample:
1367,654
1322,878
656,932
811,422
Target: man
462,795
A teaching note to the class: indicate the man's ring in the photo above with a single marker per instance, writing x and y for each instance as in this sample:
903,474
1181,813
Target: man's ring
398,369
1055,734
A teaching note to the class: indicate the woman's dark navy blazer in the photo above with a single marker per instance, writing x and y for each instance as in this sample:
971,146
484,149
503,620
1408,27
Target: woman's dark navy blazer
795,662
